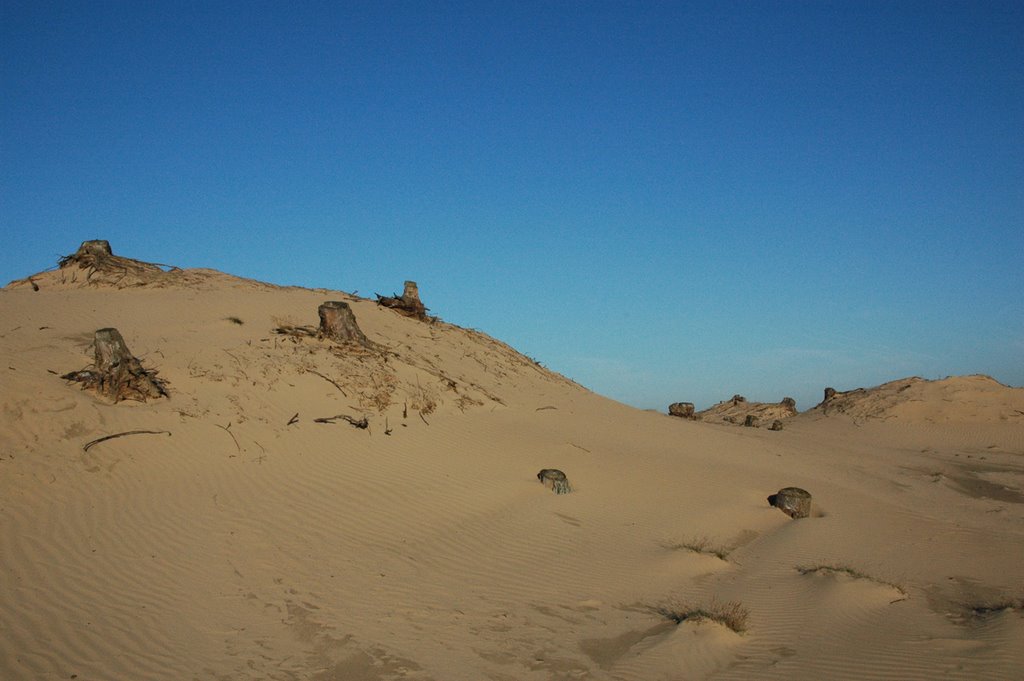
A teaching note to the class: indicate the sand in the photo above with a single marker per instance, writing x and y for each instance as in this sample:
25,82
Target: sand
244,540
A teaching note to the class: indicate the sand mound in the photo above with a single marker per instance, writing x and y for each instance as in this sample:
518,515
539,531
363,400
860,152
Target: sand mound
94,265
738,410
249,527
957,399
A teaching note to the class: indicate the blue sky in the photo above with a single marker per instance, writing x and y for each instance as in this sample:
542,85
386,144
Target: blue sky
662,200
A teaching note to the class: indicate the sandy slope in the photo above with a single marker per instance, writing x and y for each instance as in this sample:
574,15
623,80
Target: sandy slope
241,547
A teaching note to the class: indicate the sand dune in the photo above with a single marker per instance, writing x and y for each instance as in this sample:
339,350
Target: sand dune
957,399
244,540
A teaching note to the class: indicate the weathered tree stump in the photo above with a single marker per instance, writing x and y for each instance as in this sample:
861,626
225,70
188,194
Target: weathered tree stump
776,425
750,421
738,399
789,403
793,501
555,480
683,410
116,373
829,394
338,323
408,303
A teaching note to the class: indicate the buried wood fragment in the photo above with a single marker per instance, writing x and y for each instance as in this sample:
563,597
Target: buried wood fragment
555,480
793,501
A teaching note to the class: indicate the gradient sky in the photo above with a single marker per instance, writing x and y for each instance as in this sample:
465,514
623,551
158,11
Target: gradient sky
665,201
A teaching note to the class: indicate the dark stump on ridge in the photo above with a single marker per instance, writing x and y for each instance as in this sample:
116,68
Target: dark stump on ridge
683,410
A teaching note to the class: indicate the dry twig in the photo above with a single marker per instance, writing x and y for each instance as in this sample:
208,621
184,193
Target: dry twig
362,423
87,445
312,371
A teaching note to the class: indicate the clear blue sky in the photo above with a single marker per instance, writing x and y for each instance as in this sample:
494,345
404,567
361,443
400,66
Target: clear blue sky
662,200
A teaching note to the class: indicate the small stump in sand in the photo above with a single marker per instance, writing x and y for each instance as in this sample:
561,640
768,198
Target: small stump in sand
116,373
555,479
776,425
793,501
829,394
750,421
408,303
683,410
339,324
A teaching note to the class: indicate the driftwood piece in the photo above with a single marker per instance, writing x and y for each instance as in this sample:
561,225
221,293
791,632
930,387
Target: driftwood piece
408,303
793,501
555,480
338,323
115,373
683,410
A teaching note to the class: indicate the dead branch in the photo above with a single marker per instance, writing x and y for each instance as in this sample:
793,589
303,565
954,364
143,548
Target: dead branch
294,419
87,445
362,423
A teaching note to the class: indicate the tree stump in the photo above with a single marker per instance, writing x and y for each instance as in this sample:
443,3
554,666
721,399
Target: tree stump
738,399
793,501
555,480
683,410
116,373
776,425
409,304
829,394
789,403
750,421
338,323
98,248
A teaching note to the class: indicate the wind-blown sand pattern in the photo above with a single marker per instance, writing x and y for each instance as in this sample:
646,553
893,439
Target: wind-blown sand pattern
256,543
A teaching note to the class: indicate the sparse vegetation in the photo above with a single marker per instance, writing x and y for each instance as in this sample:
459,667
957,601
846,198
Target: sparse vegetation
701,545
731,615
